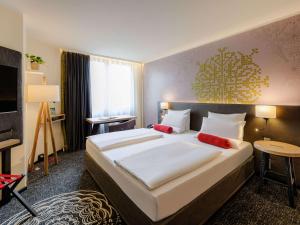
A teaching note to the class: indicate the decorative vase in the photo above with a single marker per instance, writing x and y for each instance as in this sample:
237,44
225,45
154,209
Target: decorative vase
35,66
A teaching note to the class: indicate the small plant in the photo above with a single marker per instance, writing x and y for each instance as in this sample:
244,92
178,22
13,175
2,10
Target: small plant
35,59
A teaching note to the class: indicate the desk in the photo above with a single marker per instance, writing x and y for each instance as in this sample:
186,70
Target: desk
97,121
288,152
5,149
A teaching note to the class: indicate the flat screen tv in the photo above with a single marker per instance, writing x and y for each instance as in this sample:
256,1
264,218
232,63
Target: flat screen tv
8,88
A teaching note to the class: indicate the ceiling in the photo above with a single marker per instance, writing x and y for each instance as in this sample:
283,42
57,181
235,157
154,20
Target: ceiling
144,30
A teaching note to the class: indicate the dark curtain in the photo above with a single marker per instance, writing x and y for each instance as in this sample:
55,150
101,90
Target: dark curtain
75,98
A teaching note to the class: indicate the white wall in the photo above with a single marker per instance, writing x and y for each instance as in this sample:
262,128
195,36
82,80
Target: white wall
11,25
14,35
51,69
11,36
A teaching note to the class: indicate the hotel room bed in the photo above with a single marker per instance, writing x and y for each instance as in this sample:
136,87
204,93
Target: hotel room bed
188,199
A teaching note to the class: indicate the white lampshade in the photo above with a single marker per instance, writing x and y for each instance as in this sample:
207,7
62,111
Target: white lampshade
265,111
43,93
164,105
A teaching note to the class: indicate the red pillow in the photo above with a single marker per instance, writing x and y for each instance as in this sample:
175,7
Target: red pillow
214,140
163,128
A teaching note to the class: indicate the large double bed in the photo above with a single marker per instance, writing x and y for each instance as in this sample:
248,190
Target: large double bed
190,198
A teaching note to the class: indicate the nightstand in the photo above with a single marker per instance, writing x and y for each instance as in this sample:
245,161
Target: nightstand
288,152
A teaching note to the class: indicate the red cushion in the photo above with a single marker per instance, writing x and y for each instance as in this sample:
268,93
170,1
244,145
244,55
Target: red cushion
163,128
214,140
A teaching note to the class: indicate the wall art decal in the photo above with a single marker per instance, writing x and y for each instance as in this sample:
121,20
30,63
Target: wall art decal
230,77
276,64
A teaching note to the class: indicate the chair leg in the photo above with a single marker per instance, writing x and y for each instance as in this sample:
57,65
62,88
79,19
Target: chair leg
24,203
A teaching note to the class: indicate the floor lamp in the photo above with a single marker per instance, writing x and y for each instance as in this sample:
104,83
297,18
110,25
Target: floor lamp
43,94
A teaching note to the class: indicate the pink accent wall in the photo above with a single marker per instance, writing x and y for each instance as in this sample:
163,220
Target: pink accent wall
171,78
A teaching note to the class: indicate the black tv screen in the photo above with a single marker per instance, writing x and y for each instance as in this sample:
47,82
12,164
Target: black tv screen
8,88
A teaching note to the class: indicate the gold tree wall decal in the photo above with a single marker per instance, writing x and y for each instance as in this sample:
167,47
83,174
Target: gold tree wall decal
229,77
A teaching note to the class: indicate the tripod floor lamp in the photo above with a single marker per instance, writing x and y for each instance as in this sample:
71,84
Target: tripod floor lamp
43,94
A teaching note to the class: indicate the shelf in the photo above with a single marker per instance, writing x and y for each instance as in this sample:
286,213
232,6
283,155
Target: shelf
35,73
57,118
57,115
9,143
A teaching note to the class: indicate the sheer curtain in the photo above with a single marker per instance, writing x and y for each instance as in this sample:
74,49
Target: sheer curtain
116,88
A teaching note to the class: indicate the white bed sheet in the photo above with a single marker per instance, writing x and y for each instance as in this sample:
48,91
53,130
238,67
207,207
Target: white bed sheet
165,200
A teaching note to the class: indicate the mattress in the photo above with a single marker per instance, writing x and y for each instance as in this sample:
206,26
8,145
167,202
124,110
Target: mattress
167,199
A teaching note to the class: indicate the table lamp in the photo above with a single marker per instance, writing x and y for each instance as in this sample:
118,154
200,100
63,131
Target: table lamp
266,112
43,94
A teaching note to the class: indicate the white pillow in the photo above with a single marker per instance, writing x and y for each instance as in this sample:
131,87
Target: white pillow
235,117
235,143
186,113
222,128
177,122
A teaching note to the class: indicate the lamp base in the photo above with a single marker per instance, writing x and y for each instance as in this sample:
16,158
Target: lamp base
43,118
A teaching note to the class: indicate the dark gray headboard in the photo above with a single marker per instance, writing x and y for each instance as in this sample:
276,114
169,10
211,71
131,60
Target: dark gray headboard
286,127
12,120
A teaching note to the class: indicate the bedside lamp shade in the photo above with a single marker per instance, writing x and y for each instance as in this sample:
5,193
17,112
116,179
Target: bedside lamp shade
43,93
265,111
164,105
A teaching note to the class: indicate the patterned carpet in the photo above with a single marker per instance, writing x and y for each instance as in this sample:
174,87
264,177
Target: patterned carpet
70,196
78,207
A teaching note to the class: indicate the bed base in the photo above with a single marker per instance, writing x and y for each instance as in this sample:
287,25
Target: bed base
196,212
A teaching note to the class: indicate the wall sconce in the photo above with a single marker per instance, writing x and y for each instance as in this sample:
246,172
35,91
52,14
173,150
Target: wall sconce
266,112
164,106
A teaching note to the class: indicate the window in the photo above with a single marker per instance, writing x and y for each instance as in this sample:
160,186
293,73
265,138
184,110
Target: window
114,89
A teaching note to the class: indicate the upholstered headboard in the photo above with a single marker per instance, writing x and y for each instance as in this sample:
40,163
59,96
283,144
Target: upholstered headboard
286,127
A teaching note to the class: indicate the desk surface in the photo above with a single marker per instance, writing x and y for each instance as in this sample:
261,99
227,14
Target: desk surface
109,119
278,148
9,143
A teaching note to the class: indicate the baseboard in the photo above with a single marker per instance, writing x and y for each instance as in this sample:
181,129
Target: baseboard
22,189
60,150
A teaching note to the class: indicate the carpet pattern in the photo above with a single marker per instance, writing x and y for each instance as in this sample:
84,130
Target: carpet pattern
75,208
247,207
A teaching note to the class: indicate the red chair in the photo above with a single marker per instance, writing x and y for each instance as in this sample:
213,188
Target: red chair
10,182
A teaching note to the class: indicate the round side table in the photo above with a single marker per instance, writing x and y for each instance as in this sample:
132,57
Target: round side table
288,152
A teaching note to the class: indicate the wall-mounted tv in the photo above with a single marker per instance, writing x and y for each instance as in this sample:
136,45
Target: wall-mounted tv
8,88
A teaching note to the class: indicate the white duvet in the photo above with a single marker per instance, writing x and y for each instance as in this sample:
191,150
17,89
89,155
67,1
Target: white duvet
159,165
107,141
